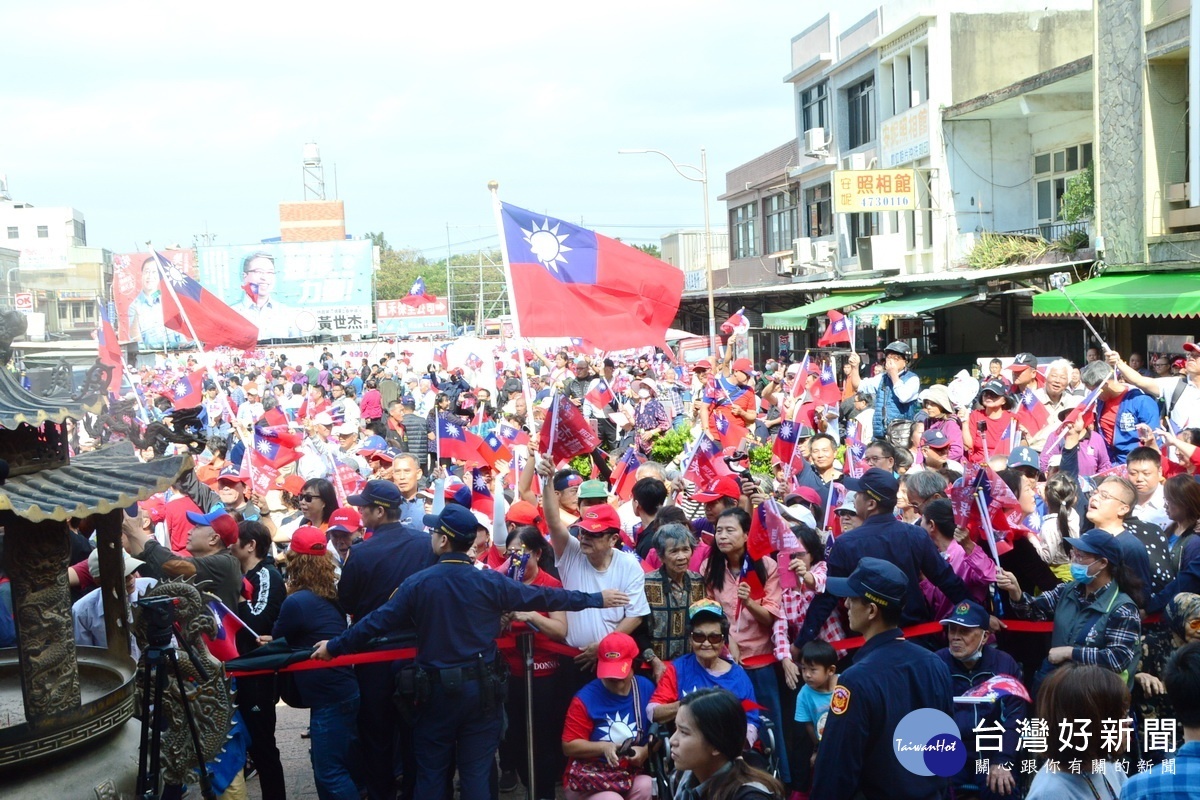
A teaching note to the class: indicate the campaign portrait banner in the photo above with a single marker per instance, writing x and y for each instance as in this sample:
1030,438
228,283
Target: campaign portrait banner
294,289
139,306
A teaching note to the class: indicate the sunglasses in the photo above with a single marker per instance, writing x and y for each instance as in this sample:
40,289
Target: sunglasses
711,638
590,535
308,498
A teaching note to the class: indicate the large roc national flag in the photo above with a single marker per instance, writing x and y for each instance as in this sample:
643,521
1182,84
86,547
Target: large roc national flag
569,281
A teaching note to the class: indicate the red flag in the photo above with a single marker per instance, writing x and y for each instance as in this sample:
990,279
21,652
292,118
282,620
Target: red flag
826,388
493,449
599,394
573,436
623,476
838,331
706,465
767,529
263,475
110,351
784,447
223,646
188,392
1030,411
569,281
455,441
212,322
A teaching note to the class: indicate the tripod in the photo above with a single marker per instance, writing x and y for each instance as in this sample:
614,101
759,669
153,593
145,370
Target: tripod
159,653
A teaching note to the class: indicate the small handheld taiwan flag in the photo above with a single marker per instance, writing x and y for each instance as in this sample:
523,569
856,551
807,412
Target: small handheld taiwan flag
417,295
187,391
599,394
493,449
837,332
736,324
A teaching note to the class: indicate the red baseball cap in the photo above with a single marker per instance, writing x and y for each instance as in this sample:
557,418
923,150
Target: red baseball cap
725,486
744,365
346,519
309,541
703,363
223,525
600,519
523,512
1191,347
614,656
292,484
805,493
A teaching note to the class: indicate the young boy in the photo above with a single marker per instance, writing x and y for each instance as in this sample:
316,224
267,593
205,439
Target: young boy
818,667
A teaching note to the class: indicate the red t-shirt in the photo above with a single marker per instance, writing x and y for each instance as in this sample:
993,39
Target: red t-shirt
544,662
1108,420
999,435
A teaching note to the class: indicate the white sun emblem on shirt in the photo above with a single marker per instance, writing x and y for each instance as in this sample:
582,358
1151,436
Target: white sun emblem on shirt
547,245
617,729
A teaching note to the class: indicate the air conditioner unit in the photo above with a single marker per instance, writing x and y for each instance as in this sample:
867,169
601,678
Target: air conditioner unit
856,161
825,253
804,251
783,266
814,141
883,251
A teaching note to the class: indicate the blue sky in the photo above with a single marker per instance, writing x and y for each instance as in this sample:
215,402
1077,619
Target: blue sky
159,119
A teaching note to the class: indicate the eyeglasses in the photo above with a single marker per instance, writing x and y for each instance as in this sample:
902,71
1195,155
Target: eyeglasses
308,498
1103,495
875,459
711,638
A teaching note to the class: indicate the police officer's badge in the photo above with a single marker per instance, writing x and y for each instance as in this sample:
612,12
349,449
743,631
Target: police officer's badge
839,701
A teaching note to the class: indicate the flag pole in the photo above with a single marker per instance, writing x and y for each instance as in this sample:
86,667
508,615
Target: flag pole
494,189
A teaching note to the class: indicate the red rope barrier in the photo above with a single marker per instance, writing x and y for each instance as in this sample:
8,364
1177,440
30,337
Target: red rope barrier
541,642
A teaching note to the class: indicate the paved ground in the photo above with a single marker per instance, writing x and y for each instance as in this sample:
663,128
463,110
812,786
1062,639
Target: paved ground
297,769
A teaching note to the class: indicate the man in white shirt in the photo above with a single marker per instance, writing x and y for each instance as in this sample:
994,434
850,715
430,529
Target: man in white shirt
88,610
1180,393
1054,397
593,563
1145,473
251,410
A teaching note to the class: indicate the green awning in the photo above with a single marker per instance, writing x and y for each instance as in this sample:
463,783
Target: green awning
916,304
797,318
1133,294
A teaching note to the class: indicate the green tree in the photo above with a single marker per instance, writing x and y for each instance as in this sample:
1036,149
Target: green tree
650,249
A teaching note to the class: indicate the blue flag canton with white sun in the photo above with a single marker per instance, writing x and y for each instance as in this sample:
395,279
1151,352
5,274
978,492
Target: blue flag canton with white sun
567,252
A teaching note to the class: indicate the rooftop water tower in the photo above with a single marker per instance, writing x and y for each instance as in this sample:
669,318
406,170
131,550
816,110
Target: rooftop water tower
314,173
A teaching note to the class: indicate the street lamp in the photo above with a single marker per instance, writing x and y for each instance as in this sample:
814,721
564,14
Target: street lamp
697,175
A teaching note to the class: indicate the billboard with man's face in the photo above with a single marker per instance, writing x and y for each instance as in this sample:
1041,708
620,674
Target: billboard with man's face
139,306
294,289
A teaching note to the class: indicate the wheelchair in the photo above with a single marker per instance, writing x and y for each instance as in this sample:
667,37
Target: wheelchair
764,755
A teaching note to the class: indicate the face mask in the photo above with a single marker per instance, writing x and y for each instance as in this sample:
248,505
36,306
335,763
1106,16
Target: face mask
1080,574
644,394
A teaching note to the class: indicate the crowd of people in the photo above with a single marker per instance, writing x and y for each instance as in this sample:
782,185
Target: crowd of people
755,617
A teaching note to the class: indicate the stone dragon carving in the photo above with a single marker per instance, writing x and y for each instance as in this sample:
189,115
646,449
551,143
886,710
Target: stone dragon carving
211,701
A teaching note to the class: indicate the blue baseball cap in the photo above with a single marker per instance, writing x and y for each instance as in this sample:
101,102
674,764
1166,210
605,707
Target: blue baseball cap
876,483
935,439
455,521
881,582
383,494
1098,543
968,614
1024,457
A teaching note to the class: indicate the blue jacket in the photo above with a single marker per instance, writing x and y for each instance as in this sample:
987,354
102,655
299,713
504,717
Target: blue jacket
1008,710
376,567
456,610
906,546
890,678
1136,406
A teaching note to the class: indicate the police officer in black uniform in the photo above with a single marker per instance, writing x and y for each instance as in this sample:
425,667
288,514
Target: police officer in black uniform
457,684
890,677
883,536
373,570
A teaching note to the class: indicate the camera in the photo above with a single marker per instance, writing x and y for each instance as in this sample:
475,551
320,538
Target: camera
159,616
982,426
1059,280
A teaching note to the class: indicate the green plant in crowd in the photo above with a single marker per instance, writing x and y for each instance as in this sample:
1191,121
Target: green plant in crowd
582,464
667,447
760,461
